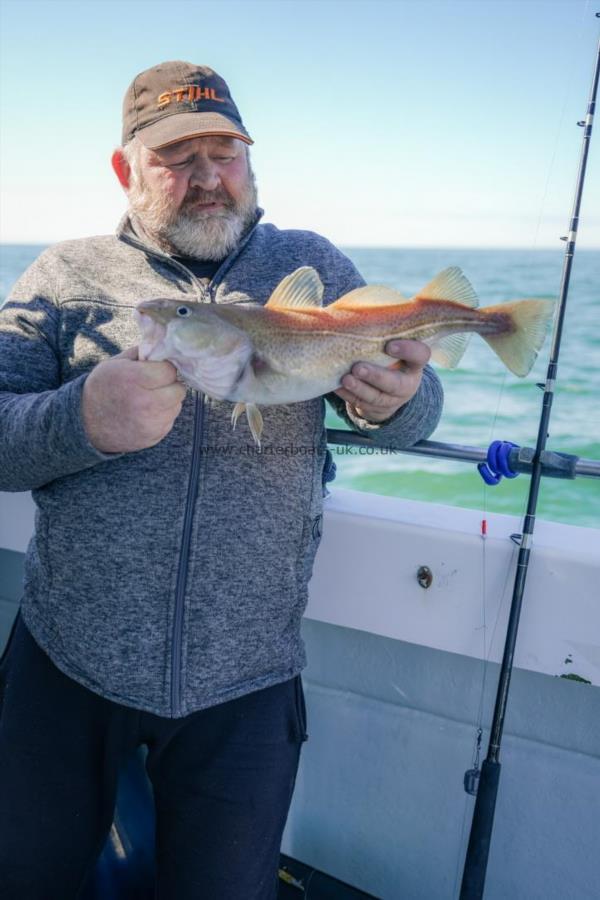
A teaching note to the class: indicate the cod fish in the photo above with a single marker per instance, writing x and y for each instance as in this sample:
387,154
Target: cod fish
294,349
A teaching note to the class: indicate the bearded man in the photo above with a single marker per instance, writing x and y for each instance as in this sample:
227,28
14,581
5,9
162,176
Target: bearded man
168,573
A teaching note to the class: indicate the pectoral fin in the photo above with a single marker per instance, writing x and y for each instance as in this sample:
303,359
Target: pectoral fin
238,409
255,419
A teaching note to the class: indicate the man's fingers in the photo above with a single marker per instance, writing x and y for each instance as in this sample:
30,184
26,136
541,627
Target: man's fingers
361,392
348,396
415,354
375,384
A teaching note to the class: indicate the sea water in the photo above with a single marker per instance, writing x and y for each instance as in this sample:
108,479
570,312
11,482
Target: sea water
483,402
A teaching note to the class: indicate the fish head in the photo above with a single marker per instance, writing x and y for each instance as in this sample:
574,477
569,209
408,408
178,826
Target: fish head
185,327
209,352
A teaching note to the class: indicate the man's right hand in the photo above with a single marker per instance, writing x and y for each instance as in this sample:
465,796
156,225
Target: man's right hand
130,405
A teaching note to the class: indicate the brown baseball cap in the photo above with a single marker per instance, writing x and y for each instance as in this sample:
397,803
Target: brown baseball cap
178,100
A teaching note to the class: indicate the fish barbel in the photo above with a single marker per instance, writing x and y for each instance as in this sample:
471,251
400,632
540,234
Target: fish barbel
294,349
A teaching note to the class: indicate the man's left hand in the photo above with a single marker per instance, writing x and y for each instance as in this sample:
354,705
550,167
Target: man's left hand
375,393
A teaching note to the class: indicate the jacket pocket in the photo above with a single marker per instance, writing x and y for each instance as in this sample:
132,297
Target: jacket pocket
313,529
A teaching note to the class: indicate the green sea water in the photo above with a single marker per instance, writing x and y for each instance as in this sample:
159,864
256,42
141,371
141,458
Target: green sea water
483,401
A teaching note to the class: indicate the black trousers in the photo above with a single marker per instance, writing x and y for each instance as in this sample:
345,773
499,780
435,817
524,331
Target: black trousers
222,779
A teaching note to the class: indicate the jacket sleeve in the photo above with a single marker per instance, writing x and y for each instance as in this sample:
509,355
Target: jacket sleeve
41,431
414,421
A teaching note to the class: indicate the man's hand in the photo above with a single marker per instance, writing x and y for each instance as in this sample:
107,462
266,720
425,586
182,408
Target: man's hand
130,405
376,392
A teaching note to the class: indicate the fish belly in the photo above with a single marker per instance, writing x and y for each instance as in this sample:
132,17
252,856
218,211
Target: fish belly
297,368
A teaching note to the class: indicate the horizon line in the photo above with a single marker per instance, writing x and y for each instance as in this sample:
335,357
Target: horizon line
344,246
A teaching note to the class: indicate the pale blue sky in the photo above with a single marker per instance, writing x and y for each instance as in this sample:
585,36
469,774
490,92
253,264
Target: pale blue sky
396,123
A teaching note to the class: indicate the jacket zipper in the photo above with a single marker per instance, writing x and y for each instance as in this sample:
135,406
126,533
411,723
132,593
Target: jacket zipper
190,503
184,559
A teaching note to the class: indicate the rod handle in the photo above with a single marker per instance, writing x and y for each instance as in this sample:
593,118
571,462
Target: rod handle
473,881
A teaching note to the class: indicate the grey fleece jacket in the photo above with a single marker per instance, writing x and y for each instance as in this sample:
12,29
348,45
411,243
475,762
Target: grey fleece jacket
172,578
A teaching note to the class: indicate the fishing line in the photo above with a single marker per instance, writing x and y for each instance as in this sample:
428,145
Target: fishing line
484,595
484,524
484,592
569,67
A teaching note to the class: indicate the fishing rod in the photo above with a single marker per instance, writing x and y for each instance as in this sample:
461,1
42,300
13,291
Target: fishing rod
474,872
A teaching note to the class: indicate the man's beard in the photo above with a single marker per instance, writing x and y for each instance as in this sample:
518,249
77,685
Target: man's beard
187,231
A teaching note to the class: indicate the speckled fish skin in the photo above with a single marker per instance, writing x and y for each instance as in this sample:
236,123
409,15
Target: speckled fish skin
303,354
292,349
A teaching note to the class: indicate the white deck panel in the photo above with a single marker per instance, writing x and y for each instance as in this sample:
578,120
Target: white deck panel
365,578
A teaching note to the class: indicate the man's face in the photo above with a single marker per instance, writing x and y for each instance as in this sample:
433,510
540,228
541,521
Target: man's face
195,197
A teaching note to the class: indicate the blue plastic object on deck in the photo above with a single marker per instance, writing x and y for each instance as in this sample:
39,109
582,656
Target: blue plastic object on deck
125,869
498,463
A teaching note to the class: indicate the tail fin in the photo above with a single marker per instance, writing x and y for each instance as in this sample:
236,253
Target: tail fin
519,348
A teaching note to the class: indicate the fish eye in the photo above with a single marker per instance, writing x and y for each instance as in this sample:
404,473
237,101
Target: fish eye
183,311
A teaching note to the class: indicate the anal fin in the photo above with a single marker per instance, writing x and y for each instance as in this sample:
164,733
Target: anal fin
255,421
447,351
254,416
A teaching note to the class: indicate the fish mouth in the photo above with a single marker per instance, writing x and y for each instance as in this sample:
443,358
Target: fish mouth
152,345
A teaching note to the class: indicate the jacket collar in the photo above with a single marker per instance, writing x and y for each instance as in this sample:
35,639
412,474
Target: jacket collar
131,232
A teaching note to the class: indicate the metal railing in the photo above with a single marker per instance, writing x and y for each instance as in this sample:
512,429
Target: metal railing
554,464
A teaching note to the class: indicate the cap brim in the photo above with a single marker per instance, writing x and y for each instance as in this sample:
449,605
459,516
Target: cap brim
181,126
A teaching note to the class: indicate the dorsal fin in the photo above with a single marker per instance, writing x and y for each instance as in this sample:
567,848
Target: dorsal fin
370,295
450,284
301,288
